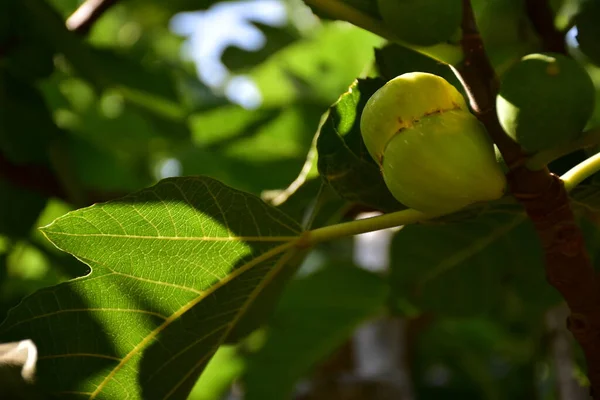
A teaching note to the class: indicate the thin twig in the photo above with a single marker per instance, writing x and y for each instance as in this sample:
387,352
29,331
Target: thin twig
581,172
82,20
542,18
542,194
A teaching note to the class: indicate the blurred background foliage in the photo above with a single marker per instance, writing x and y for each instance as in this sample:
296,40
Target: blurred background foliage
235,91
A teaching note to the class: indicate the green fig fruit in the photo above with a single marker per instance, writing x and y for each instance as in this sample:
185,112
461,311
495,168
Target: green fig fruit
407,98
422,22
545,101
434,154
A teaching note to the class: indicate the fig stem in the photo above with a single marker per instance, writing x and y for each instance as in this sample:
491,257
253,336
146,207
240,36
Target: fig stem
581,172
390,220
541,159
445,53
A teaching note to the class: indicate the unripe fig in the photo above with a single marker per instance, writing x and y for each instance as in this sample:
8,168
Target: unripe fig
402,101
545,101
422,22
434,154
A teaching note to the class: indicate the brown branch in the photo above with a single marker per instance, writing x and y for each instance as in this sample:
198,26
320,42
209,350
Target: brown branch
542,18
542,194
38,178
82,20
41,179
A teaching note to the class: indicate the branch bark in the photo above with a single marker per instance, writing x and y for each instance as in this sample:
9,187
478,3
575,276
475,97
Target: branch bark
38,178
542,194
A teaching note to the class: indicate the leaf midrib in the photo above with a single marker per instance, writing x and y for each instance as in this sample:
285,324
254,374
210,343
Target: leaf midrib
181,238
244,268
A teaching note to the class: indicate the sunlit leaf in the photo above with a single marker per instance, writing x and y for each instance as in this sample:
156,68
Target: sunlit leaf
174,268
315,69
226,366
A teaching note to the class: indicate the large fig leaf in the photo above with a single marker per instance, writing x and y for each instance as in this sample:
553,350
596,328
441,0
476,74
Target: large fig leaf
471,267
174,268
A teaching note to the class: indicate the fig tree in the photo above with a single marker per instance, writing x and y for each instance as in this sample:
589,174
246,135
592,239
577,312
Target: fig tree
434,154
545,101
422,22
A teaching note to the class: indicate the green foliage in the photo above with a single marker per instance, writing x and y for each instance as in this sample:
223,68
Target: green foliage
211,282
344,162
315,316
588,30
506,31
491,265
243,244
19,210
422,22
24,120
393,60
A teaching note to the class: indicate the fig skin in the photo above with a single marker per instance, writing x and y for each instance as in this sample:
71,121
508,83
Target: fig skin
422,22
401,102
545,101
435,156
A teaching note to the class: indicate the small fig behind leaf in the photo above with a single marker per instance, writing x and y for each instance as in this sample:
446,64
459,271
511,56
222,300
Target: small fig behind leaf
434,154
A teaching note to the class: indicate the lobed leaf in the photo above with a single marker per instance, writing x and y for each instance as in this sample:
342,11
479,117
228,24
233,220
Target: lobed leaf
174,268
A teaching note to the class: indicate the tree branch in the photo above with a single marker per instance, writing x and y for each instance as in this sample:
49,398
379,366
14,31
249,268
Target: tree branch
38,178
542,194
82,20
542,18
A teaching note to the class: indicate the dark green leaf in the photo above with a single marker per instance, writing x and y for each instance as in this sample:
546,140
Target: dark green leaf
19,210
308,199
316,315
26,125
344,162
471,267
102,67
393,60
588,30
587,196
367,7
